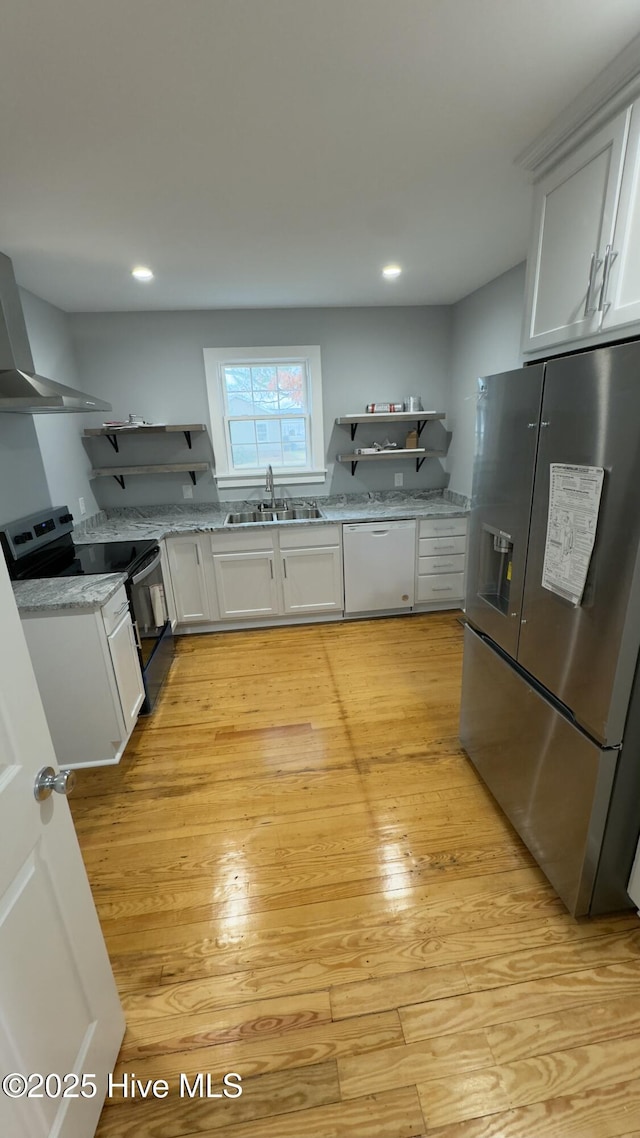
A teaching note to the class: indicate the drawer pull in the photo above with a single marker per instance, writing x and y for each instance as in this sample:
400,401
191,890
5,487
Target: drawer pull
441,588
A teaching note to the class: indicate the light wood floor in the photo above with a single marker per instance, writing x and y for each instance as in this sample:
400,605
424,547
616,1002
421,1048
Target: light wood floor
301,879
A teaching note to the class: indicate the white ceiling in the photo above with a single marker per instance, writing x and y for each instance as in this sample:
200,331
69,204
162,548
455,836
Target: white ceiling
279,152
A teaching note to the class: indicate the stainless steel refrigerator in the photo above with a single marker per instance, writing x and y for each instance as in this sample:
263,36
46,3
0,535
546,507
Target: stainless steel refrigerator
550,712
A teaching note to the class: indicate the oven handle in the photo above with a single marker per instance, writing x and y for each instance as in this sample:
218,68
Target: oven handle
147,570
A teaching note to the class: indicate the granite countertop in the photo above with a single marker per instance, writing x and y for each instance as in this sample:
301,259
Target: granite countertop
79,593
156,522
170,521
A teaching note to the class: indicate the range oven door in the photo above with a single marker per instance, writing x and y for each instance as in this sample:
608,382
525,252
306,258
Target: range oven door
152,625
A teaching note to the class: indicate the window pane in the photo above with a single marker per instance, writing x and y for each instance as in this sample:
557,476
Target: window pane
294,442
264,378
237,383
268,431
237,378
240,403
242,432
244,456
270,453
291,387
265,403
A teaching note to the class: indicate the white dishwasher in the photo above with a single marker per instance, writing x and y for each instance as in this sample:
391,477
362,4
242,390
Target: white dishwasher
379,566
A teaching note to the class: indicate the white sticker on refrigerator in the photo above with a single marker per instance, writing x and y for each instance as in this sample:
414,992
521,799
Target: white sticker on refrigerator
574,502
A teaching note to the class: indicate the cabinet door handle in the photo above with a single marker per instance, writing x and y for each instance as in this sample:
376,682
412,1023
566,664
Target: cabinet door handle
609,258
271,568
198,554
284,566
589,308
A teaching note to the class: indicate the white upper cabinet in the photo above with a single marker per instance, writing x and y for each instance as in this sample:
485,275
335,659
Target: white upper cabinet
575,207
620,300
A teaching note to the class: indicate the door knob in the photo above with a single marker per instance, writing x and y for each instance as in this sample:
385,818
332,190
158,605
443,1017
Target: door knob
47,781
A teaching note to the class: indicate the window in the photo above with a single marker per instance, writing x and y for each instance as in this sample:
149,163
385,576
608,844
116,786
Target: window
266,409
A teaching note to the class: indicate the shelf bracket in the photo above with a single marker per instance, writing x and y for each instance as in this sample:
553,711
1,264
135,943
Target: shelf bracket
354,428
421,424
113,439
119,478
353,467
187,435
192,476
419,462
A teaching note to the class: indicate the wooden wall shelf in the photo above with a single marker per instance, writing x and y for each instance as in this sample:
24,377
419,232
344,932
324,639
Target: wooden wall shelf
114,433
118,472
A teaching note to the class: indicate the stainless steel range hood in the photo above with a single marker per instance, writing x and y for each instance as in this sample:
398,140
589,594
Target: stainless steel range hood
22,390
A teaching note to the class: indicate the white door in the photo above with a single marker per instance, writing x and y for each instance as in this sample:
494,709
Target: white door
312,580
59,1010
246,584
574,215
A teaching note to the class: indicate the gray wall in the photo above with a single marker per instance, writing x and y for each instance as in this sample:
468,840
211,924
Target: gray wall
151,364
23,483
59,437
486,330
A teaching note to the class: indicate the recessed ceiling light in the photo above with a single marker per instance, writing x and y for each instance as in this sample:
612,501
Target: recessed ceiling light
142,273
390,272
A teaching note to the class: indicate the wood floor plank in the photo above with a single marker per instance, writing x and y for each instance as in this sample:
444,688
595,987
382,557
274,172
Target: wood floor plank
604,1112
594,1023
534,998
167,1053
262,1097
390,953
411,1063
396,991
526,1081
578,952
259,1020
394,1114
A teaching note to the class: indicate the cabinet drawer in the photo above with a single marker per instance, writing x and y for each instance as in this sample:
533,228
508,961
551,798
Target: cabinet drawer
442,527
453,563
244,541
440,587
306,537
439,546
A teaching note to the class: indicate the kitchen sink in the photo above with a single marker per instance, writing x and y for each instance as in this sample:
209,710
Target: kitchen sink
298,512
264,514
245,516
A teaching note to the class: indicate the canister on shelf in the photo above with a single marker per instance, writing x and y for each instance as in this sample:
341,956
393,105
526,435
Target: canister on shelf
411,440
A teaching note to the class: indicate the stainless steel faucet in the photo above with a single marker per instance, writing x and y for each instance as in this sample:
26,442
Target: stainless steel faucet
270,487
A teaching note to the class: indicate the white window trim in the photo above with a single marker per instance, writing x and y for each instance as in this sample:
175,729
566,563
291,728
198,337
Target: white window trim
225,476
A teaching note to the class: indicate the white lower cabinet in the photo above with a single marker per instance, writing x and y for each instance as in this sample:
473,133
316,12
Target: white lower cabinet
126,667
246,584
278,572
311,566
189,564
88,672
442,544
